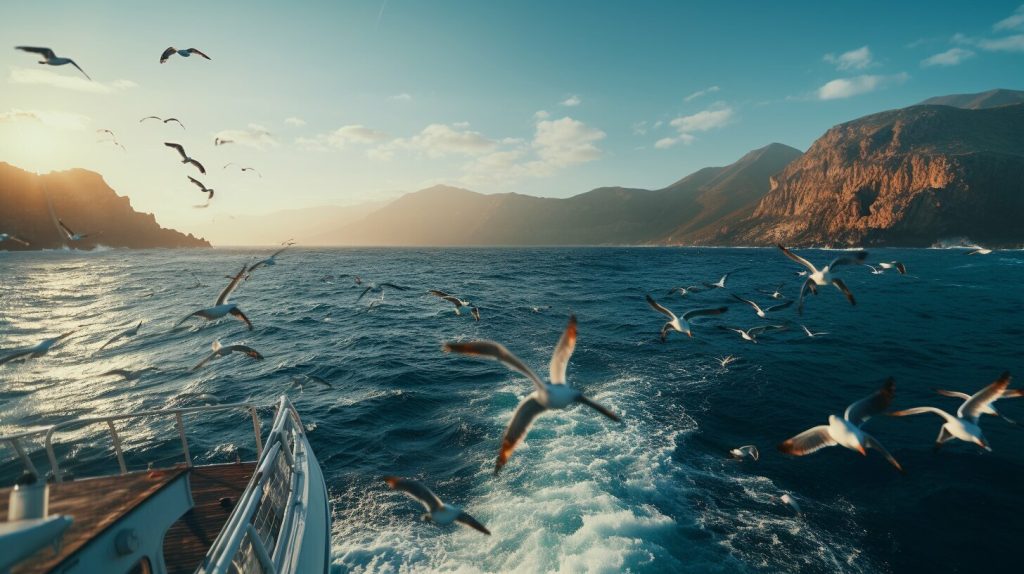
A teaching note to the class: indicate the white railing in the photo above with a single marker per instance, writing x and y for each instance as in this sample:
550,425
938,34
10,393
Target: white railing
17,441
258,534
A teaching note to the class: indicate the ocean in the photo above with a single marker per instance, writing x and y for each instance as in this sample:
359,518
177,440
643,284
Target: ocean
657,493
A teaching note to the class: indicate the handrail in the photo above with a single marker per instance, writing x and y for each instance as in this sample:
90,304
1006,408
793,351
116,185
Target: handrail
16,439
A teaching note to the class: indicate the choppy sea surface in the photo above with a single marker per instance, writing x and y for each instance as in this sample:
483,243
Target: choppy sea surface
657,493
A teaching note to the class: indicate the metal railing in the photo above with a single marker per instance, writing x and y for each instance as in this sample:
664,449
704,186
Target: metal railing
17,441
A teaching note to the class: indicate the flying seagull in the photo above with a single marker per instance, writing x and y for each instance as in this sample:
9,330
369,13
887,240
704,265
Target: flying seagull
185,158
299,381
35,351
820,277
222,308
202,187
681,324
244,168
163,120
113,138
219,351
51,59
964,425
546,396
752,333
726,360
874,270
979,251
762,313
459,303
128,374
14,238
220,141
791,502
989,409
720,284
811,333
380,289
71,235
437,511
269,261
745,451
774,293
131,332
684,291
898,266
170,51
846,431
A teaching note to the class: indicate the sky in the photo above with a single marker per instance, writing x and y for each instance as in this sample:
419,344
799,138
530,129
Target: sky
346,102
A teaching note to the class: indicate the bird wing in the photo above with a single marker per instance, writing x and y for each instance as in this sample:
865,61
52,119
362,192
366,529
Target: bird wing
471,522
66,229
762,328
779,306
922,410
417,490
175,120
223,297
654,305
208,358
195,51
973,407
517,429
859,412
475,312
202,169
598,407
15,355
241,317
18,240
198,183
393,286
45,52
181,150
846,290
72,62
797,258
563,351
365,291
955,394
703,312
167,54
747,301
498,352
150,118
859,257
244,349
811,440
872,442
112,339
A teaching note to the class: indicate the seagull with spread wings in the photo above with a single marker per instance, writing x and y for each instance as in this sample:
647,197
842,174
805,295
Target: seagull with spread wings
762,313
752,333
222,308
171,50
380,289
681,324
14,238
202,188
71,235
51,59
219,351
821,277
176,120
130,332
459,303
437,512
35,351
185,158
989,409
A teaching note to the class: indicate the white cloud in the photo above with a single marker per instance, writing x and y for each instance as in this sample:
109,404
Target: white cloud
699,93
703,121
950,57
49,118
403,97
1012,22
541,115
841,88
566,142
294,121
255,136
439,140
354,134
1013,43
44,77
853,60
572,101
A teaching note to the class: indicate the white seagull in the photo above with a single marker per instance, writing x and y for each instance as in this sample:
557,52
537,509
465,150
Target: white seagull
775,293
990,409
52,59
720,284
130,332
874,270
163,120
684,291
846,431
14,238
459,303
268,262
36,351
219,351
222,308
898,266
979,251
752,333
71,235
681,324
380,289
791,502
964,425
185,158
745,451
762,313
820,277
554,395
437,511
726,360
811,333
170,51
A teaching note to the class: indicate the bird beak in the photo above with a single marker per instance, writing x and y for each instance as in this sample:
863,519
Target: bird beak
689,334
861,450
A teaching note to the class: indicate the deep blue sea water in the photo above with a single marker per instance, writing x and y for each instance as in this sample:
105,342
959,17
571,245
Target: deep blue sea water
655,494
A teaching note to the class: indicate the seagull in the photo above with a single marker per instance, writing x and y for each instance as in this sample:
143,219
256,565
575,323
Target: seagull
185,158
380,289
163,120
51,59
71,235
554,395
823,276
762,313
874,270
775,293
538,309
198,282
964,425
718,285
846,431
219,141
988,409
222,307
219,351
746,451
437,511
979,251
202,187
726,360
245,169
127,374
299,381
684,291
131,332
357,279
265,262
681,324
183,53
113,138
14,238
811,334
900,267
35,351
457,302
752,333
791,502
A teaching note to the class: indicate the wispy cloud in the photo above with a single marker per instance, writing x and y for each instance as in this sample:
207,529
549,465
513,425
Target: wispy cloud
1013,43
44,77
439,140
858,59
541,115
403,97
1013,22
699,93
572,101
842,88
49,118
255,136
295,122
715,117
950,57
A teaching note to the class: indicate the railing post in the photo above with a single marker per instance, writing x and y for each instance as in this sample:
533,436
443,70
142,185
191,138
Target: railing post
256,542
54,467
257,431
184,441
117,447
25,460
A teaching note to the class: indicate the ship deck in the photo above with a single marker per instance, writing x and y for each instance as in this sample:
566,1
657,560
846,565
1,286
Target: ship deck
96,504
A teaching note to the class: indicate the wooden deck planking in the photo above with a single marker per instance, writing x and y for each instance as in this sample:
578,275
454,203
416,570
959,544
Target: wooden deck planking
190,538
94,504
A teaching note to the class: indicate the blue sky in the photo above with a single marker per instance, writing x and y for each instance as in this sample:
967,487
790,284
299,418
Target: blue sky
346,102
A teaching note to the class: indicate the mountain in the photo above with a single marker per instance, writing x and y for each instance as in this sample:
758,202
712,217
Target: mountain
914,177
30,205
444,215
982,100
307,226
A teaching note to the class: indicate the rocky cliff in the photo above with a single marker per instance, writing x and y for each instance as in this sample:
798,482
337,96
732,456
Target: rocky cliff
30,204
